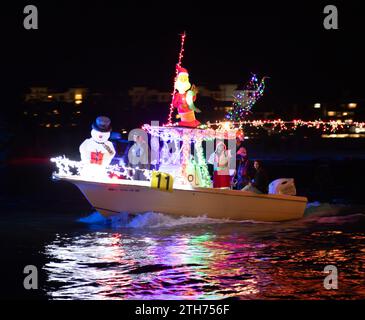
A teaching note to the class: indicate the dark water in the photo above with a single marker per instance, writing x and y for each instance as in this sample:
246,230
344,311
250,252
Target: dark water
81,255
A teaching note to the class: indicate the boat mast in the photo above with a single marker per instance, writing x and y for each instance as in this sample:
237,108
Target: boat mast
178,65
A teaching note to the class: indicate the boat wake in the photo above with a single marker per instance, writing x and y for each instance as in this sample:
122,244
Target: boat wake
316,211
154,220
327,210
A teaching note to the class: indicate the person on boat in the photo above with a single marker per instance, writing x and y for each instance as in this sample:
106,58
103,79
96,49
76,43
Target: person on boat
183,99
138,157
243,172
220,159
241,177
259,184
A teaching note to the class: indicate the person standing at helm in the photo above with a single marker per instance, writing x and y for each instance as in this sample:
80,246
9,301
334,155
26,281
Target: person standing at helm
242,174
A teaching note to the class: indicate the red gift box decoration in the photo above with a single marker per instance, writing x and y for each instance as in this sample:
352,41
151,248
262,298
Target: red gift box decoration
96,157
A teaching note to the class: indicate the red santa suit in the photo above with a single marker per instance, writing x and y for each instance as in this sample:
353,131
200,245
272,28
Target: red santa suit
184,99
221,178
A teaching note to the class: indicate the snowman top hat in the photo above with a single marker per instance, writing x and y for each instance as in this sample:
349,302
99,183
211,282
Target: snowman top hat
102,124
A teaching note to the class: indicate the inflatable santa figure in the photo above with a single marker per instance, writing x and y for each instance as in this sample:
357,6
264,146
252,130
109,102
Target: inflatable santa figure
97,152
184,99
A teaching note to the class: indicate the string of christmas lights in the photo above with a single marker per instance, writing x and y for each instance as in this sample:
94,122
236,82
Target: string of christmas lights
70,168
204,132
181,55
244,100
185,156
202,165
281,125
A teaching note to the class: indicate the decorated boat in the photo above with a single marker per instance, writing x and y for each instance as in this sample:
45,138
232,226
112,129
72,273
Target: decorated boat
181,185
167,167
111,198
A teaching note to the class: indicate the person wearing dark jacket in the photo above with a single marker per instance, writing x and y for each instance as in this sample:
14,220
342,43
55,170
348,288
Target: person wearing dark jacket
241,176
260,182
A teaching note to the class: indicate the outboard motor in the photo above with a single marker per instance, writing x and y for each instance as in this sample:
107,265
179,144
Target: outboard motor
283,186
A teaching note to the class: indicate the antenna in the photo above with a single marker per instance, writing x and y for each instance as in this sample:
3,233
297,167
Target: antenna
181,55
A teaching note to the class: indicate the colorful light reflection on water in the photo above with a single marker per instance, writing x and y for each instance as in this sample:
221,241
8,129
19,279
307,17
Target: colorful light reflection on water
209,261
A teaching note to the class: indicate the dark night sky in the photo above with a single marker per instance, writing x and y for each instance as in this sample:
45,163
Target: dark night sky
117,44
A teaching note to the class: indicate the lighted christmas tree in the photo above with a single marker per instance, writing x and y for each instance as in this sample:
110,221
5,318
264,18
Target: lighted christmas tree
243,100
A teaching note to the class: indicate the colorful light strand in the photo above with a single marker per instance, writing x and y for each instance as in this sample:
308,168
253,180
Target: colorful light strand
181,55
177,133
71,168
202,164
185,137
245,99
281,125
186,148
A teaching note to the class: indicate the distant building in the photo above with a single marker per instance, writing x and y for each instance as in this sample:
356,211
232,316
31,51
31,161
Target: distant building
224,92
44,94
143,95
140,96
338,111
50,108
215,102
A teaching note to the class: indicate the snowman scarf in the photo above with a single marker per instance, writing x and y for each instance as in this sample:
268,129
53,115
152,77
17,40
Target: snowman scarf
107,148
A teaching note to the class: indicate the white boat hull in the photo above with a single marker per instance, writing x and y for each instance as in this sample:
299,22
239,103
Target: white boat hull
137,197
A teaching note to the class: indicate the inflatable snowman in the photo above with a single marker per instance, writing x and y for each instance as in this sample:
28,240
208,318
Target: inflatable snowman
97,152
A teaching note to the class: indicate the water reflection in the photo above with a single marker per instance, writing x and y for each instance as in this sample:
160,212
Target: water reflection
129,265
203,263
